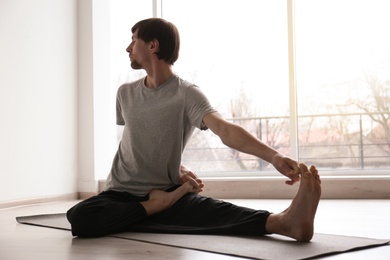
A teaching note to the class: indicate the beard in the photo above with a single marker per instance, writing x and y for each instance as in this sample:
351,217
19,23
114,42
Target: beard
135,65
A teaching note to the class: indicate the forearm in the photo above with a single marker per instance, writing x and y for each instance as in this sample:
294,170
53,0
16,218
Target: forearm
241,140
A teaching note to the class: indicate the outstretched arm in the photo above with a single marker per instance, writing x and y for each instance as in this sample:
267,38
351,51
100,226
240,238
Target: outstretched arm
241,140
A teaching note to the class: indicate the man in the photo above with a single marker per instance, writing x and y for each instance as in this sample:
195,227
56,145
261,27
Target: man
149,190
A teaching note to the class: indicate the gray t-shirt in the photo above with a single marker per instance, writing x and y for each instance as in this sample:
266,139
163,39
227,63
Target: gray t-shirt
157,125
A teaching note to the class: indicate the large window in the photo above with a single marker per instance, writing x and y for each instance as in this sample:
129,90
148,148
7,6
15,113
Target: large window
343,83
238,54
236,51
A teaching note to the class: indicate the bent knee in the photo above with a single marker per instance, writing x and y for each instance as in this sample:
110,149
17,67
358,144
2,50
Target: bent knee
83,222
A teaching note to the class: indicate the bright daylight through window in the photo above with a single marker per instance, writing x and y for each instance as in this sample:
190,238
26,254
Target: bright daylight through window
237,53
343,83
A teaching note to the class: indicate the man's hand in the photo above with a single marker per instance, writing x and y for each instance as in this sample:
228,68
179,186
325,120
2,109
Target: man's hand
187,175
288,167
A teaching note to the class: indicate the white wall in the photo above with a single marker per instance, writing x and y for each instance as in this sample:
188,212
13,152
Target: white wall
96,101
38,98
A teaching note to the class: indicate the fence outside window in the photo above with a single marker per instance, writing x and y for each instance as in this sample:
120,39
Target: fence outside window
352,141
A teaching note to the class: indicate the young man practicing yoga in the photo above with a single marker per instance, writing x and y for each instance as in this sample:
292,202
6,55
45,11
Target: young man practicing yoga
149,190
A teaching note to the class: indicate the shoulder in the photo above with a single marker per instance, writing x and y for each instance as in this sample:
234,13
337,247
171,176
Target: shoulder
190,89
182,83
129,86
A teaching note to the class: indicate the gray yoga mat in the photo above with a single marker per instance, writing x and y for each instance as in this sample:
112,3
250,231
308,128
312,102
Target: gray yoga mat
267,247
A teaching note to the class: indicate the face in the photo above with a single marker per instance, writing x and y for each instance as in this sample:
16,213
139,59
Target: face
136,50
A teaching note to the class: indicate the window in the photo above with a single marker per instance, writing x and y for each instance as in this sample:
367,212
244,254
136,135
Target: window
343,83
237,52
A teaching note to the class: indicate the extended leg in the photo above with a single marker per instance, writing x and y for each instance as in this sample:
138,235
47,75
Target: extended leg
297,221
196,214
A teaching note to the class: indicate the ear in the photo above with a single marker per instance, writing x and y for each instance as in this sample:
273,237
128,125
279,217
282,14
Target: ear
154,46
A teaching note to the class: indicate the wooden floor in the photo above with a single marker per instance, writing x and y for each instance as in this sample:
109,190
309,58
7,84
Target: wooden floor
366,218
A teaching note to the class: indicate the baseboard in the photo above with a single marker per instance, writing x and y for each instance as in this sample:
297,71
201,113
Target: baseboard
37,200
86,195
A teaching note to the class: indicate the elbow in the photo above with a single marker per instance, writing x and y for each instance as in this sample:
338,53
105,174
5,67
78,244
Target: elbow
226,134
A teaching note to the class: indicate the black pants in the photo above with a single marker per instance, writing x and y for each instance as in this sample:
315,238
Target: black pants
114,212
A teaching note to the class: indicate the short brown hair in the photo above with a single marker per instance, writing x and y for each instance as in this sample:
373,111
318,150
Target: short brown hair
164,32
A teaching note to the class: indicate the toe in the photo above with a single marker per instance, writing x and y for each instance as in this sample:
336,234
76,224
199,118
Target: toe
314,171
303,168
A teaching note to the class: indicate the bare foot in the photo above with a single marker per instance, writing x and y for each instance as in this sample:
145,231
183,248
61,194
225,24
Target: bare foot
160,200
297,221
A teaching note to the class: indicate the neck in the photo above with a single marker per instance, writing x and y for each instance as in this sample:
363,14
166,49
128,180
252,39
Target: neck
158,75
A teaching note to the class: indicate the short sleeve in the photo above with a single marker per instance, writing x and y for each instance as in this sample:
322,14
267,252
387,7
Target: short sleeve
197,107
119,117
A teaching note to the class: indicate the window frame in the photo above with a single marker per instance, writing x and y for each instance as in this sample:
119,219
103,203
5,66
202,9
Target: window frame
351,177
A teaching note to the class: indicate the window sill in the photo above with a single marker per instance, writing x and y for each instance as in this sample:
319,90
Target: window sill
273,187
333,187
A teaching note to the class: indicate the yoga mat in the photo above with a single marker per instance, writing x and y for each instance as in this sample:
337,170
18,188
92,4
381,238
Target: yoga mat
267,247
